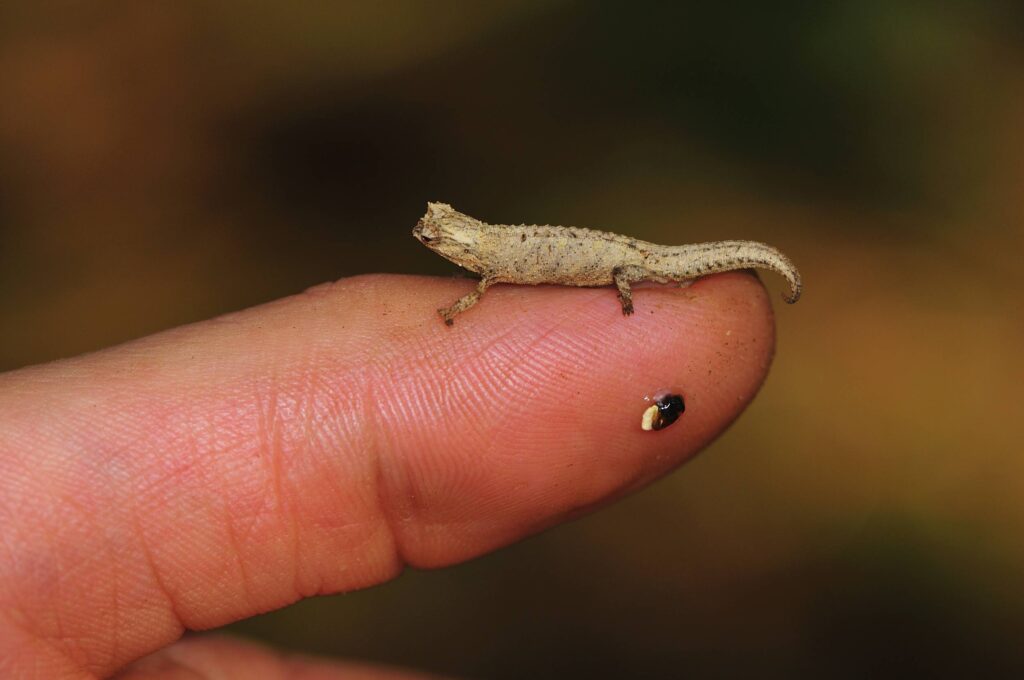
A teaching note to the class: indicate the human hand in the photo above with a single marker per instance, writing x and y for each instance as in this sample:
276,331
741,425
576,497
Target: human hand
321,443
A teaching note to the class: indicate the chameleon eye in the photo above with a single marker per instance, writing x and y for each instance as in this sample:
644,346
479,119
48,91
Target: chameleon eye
425,238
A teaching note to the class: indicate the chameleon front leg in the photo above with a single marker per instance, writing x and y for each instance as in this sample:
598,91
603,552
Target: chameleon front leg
465,302
629,274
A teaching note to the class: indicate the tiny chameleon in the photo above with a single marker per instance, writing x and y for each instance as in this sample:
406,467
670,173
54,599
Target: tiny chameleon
575,256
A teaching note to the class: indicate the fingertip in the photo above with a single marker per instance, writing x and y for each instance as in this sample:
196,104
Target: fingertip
539,397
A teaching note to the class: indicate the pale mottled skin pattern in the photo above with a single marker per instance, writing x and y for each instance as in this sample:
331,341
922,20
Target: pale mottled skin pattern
574,256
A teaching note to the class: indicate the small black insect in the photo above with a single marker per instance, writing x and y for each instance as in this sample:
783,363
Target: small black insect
665,411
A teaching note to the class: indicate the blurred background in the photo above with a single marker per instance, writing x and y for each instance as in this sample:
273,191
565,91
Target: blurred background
164,162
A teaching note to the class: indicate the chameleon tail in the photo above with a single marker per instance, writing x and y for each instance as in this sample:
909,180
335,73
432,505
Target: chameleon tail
722,256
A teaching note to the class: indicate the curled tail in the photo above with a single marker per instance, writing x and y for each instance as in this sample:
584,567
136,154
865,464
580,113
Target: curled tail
693,261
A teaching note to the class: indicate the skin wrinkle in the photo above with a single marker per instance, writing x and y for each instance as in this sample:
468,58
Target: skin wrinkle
7,603
523,361
230,521
154,570
116,625
208,486
459,393
460,355
211,509
196,477
62,635
244,580
308,413
302,449
446,398
316,443
58,650
432,461
516,365
271,439
501,371
335,428
347,458
271,436
339,446
603,466
442,372
399,474
388,510
57,636
14,557
469,394
209,501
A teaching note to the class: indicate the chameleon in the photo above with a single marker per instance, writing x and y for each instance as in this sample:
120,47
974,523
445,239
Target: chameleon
576,256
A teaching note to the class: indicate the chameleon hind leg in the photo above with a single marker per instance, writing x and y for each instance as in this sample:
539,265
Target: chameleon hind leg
465,302
629,274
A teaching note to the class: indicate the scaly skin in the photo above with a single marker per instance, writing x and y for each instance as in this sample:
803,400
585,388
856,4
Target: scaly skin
575,256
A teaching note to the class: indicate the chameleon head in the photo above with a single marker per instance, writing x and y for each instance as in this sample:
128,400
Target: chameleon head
451,235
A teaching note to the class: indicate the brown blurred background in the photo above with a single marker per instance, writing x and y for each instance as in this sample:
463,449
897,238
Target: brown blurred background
164,162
